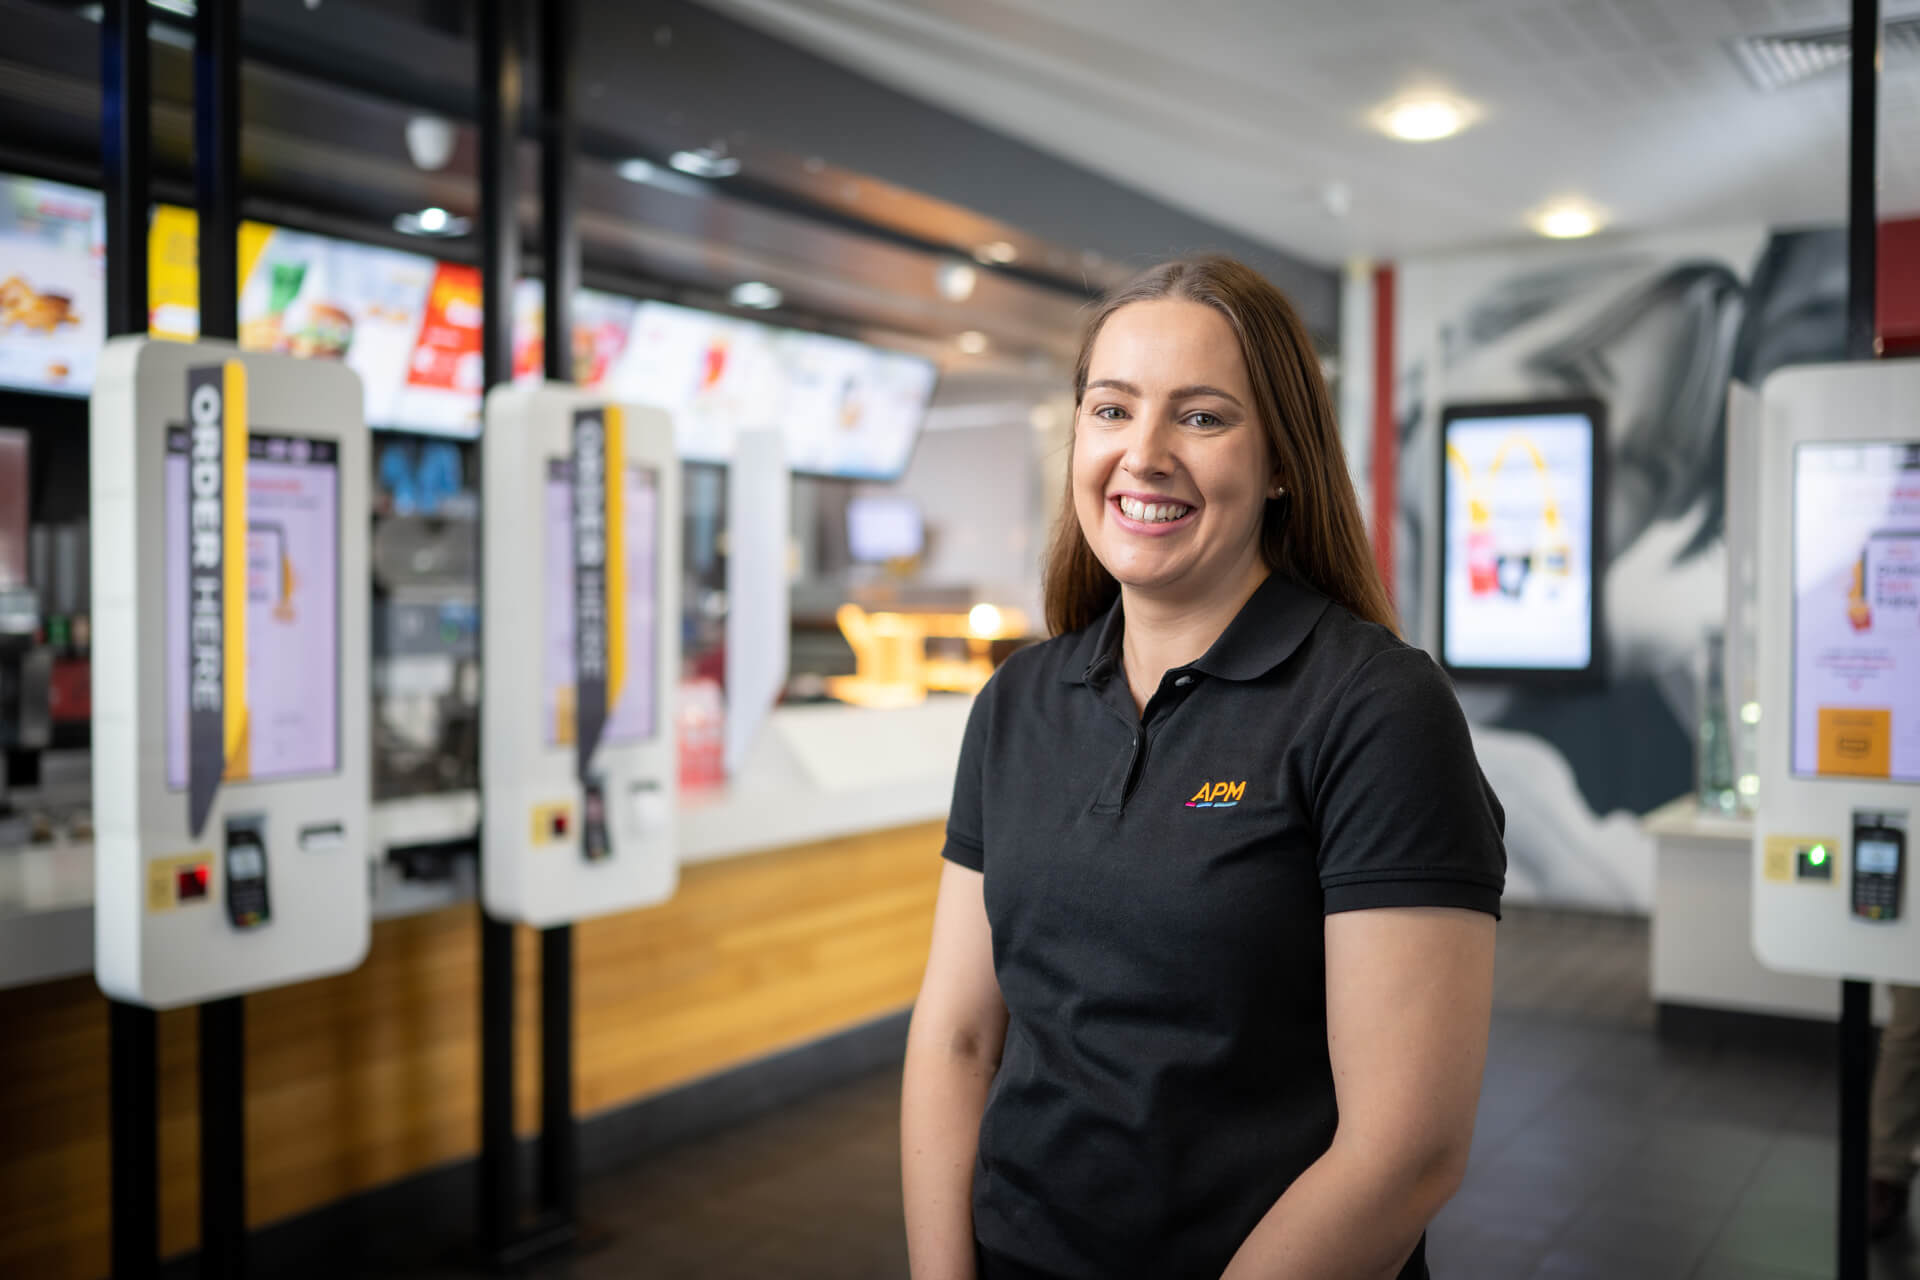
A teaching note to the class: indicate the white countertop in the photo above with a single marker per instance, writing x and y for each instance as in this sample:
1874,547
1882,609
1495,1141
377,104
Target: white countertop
816,772
1685,819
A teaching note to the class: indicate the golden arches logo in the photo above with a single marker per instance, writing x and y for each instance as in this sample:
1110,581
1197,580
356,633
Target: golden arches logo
1488,569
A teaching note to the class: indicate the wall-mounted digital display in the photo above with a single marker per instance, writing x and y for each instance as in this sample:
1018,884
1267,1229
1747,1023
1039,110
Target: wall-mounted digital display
53,289
1856,613
632,716
292,694
884,527
1521,495
410,327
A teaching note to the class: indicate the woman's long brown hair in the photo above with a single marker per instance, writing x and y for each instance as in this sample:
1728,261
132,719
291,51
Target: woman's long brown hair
1318,538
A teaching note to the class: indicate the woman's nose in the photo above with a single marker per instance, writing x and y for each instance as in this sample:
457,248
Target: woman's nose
1149,449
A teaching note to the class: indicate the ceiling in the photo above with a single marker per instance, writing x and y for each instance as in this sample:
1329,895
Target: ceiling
1254,113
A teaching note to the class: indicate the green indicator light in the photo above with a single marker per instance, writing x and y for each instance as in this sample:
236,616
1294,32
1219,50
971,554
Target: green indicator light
1817,855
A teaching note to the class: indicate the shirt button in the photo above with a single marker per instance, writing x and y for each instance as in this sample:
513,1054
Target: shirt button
1183,682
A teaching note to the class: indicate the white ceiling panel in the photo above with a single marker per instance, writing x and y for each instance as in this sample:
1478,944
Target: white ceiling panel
1254,113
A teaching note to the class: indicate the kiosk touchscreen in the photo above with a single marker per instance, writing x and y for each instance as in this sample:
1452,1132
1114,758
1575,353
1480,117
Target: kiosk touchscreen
1839,671
581,611
230,645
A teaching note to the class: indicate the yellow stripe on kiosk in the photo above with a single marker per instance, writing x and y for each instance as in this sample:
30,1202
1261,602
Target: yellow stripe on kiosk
616,561
234,596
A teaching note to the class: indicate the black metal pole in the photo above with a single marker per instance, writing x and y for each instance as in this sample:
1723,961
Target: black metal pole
498,1217
126,103
559,1168
133,1103
134,1145
223,1139
559,224
223,1037
1856,998
560,249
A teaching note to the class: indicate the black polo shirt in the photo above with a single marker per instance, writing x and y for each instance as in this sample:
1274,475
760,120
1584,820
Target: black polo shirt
1156,887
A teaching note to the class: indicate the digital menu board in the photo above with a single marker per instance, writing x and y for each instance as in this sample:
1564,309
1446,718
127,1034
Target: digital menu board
292,691
849,409
53,290
411,328
1518,583
632,717
601,323
1856,612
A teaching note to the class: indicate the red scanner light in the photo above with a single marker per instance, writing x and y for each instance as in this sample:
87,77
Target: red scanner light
193,883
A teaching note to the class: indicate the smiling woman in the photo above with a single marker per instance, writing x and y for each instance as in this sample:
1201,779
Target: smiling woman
1212,959
1233,368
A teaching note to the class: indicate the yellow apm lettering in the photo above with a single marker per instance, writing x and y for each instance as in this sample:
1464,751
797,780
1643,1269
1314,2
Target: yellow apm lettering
1235,791
1201,794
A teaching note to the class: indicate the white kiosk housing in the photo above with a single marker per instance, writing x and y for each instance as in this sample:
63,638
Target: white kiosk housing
581,613
230,737
1839,671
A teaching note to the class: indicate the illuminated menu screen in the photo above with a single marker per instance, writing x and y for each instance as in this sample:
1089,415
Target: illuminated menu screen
1856,611
53,289
292,694
1517,571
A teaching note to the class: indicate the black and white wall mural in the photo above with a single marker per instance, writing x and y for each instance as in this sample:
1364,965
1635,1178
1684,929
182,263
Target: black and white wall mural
1656,327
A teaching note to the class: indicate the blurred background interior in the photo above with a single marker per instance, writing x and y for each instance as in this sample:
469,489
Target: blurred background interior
873,225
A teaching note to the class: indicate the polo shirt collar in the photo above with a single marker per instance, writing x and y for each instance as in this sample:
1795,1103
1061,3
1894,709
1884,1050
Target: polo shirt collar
1274,622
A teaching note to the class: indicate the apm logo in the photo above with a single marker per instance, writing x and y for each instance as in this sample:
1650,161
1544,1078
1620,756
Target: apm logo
1217,795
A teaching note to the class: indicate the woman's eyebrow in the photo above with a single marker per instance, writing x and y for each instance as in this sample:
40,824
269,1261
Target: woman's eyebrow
1202,389
1179,393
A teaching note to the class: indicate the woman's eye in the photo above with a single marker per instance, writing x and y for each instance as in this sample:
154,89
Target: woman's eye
1109,413
1204,420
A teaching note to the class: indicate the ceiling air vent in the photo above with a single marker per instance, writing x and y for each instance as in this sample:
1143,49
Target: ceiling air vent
1779,61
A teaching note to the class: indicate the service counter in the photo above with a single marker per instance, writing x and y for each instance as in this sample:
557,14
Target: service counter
814,773
804,909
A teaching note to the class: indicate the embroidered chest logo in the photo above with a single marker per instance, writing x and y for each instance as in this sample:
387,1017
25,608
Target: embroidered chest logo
1217,795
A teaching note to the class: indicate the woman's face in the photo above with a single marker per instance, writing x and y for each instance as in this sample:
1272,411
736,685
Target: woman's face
1171,467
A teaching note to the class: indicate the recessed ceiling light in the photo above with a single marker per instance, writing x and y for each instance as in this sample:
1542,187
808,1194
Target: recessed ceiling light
756,295
996,253
1422,119
705,162
972,342
432,221
956,279
635,169
1567,221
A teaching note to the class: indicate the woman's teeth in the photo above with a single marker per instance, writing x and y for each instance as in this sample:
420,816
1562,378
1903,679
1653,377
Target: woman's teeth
1152,512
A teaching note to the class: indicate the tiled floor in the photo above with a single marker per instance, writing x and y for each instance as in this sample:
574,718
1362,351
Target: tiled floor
1600,1152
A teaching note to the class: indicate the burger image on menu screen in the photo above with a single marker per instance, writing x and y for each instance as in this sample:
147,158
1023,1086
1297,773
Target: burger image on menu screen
326,333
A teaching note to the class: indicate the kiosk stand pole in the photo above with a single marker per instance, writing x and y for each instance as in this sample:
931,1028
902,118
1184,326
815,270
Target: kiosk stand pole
1856,1018
503,1240
560,248
125,145
223,1079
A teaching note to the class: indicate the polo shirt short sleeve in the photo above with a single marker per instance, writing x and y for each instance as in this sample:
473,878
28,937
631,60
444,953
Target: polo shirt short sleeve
1157,886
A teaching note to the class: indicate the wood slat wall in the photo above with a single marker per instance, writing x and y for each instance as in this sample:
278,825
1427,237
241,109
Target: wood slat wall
362,1079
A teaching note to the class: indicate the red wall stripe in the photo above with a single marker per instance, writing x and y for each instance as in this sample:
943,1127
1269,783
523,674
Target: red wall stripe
1386,436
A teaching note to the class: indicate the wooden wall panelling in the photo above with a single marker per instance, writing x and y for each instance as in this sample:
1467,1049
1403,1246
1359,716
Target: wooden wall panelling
365,1078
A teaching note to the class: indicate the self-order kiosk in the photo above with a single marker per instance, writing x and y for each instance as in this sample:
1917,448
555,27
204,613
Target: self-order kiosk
229,561
581,613
1839,671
